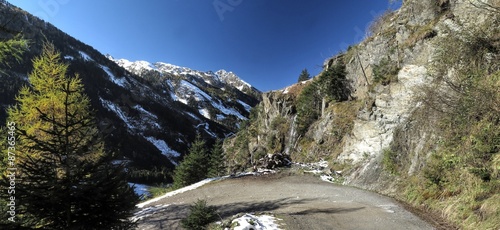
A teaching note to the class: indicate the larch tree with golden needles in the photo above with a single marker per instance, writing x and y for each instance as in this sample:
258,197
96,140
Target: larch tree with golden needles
65,178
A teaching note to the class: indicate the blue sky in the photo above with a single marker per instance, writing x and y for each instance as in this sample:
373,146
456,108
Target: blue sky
265,42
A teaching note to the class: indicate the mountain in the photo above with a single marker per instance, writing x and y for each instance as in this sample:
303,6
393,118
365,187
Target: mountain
221,96
219,78
412,111
148,114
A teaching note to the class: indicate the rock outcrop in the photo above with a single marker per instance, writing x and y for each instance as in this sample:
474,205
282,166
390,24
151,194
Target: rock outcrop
387,71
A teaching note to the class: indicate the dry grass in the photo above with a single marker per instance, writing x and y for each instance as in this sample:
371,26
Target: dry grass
421,33
297,88
377,26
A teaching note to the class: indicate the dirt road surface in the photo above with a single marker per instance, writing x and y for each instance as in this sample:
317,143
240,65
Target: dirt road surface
303,202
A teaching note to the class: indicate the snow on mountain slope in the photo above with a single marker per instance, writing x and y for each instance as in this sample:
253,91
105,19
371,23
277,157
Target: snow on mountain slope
231,79
119,81
215,79
221,96
188,89
163,147
134,67
85,56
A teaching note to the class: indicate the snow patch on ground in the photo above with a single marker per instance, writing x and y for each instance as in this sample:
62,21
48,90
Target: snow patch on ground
193,116
146,119
253,222
205,113
179,191
327,178
182,100
85,56
142,110
119,81
199,94
220,117
207,129
285,91
245,105
143,213
116,109
228,111
163,147
321,168
148,211
172,90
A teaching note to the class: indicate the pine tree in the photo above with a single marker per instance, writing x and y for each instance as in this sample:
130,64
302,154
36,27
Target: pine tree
66,178
308,107
333,83
217,167
12,49
194,166
200,216
330,85
304,76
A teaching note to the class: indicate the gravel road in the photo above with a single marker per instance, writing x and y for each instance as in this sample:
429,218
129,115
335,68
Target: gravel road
301,201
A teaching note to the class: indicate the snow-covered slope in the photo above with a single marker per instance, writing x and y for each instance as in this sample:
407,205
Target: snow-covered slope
221,96
219,78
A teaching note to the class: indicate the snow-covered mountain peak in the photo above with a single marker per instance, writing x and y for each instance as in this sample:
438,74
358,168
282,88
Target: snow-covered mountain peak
174,69
221,96
230,78
135,67
220,77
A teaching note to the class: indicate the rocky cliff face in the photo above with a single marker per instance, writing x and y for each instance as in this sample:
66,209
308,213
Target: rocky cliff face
410,39
388,72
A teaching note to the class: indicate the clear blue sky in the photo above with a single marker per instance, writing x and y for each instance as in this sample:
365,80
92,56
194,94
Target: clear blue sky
265,42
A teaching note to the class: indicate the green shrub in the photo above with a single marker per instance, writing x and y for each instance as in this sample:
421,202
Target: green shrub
389,161
200,216
385,71
159,190
438,167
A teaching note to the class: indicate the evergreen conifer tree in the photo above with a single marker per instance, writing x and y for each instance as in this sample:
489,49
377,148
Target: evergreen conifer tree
12,49
304,76
66,178
194,166
330,85
217,167
333,83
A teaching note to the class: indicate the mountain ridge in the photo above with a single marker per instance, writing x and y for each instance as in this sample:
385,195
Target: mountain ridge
221,96
137,67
